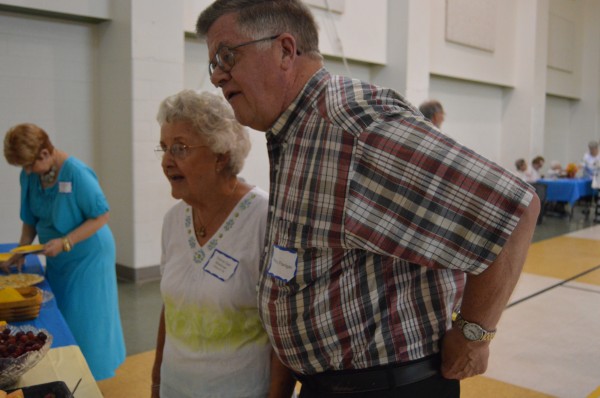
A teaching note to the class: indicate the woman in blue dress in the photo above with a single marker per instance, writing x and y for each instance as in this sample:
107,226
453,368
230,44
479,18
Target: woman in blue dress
63,205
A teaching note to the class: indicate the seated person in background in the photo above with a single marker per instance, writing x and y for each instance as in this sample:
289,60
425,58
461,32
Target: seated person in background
556,170
433,111
521,166
591,160
536,165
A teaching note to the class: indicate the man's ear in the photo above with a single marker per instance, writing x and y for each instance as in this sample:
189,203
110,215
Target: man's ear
288,50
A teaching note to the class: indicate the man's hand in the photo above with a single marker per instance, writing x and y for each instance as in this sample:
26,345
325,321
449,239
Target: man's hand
462,358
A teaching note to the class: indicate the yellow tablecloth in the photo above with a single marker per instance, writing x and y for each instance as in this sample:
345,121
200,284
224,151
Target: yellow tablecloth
63,364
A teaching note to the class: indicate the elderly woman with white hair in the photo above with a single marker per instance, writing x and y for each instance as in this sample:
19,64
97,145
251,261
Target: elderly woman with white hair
211,342
591,160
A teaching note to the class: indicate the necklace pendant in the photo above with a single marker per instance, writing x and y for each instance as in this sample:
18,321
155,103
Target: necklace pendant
49,177
202,232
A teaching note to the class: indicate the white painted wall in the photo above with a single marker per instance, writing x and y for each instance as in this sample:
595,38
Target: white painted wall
348,33
559,136
565,46
470,63
46,77
96,87
99,9
473,113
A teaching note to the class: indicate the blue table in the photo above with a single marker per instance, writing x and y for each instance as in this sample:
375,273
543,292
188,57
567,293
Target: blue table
50,317
64,361
568,190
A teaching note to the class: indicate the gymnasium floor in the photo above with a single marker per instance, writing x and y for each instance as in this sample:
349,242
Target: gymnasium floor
548,341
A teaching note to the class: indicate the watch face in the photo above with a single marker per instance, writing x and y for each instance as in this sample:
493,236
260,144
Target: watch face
472,332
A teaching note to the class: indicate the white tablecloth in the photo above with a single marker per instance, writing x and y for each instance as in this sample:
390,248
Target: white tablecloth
63,364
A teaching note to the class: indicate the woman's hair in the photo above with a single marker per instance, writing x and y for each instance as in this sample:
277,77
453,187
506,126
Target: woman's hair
262,18
24,142
211,118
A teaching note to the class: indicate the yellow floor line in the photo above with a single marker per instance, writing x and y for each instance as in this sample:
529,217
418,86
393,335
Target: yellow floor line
564,257
595,393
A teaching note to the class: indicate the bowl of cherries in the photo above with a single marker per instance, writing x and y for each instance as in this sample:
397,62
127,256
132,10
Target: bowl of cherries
21,348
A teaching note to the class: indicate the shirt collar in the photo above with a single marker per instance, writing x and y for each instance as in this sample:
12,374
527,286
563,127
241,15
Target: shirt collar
298,108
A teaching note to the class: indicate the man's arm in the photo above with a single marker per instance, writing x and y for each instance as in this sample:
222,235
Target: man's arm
282,381
485,298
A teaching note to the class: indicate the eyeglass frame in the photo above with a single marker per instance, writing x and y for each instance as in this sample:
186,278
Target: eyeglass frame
218,61
160,152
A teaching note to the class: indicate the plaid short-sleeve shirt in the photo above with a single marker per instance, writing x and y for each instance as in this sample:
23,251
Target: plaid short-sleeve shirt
379,216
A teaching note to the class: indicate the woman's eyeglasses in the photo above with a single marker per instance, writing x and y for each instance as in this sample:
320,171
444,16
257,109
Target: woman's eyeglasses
178,151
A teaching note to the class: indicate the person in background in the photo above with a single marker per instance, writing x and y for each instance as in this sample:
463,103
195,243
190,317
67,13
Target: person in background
211,342
434,112
521,166
556,170
63,205
536,165
370,213
591,160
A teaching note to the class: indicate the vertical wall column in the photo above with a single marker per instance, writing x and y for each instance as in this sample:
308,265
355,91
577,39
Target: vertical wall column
418,43
157,70
586,112
524,110
141,62
408,47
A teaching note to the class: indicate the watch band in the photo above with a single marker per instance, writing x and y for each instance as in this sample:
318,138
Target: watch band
473,331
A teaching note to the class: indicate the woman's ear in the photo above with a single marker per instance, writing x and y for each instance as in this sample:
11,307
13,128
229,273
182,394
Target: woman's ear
44,154
222,162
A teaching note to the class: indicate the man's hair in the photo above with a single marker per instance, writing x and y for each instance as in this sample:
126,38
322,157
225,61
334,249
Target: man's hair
263,18
430,108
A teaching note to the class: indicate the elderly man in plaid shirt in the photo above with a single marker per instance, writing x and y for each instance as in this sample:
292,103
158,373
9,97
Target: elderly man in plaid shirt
379,226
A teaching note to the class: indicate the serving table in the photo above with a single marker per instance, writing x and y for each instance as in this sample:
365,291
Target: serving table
64,361
567,189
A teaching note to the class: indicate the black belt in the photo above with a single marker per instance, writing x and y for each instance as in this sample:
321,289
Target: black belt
372,379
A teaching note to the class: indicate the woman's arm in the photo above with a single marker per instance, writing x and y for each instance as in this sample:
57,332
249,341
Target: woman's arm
160,345
28,234
282,381
82,232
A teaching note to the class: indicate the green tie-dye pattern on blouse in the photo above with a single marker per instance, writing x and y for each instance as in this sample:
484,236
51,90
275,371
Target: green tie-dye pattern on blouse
208,329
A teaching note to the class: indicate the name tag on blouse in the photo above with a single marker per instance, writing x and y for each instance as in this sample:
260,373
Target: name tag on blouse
64,187
284,263
221,265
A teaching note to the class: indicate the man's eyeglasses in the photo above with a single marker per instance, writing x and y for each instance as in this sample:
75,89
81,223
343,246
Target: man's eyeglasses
178,151
225,57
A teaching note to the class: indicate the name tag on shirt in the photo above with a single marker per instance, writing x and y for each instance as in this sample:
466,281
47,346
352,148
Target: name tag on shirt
284,263
221,266
64,187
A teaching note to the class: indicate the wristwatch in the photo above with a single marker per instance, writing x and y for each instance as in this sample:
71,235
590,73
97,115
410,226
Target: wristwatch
473,331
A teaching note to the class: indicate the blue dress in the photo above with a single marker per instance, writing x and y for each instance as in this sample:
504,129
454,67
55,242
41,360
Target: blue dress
83,280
